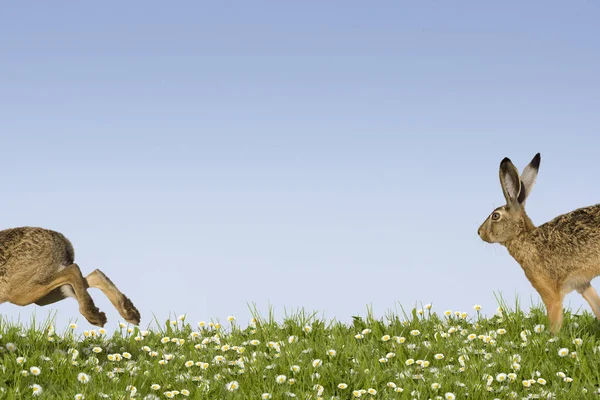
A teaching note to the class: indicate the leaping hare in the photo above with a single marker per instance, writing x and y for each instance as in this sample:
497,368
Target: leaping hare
559,256
36,266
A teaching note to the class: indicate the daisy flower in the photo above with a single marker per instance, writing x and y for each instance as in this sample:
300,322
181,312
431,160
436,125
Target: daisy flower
563,352
37,389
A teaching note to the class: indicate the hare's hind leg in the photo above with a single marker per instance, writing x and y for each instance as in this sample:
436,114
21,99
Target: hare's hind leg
46,293
55,295
591,296
124,306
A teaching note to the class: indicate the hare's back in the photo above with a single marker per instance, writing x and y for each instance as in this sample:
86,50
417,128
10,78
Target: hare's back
576,229
26,245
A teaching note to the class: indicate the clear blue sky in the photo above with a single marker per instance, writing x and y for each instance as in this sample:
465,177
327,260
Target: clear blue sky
325,156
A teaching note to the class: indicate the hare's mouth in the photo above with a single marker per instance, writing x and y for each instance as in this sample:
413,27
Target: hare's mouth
483,236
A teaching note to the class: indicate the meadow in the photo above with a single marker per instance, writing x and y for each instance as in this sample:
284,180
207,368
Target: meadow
422,353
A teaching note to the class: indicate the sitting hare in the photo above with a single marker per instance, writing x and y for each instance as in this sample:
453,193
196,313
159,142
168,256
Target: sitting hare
557,257
36,266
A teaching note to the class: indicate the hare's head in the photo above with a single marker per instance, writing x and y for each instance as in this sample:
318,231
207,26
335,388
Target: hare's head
509,221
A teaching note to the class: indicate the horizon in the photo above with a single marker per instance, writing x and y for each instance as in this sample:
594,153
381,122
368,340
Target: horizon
315,156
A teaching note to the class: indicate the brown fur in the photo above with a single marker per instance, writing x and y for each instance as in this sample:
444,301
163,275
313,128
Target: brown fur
37,266
557,257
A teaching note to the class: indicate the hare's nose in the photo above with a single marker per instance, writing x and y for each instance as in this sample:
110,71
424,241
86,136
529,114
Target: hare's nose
479,231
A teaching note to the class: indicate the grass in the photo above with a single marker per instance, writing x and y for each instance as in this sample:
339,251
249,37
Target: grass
422,354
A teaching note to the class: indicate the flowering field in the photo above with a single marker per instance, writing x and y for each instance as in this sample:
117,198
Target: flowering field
422,355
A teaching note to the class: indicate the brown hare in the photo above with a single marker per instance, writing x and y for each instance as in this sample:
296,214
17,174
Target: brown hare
557,257
36,266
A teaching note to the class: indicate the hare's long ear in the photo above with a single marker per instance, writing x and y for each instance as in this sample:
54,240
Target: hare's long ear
510,181
528,177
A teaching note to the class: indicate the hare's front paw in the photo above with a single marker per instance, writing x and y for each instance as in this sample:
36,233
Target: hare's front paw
129,312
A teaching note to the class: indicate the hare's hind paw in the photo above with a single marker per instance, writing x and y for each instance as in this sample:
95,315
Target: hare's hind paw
97,319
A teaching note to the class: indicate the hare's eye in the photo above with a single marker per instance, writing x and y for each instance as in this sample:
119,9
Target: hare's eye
495,216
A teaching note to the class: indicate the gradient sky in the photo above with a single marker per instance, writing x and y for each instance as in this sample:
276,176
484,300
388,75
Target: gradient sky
318,155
